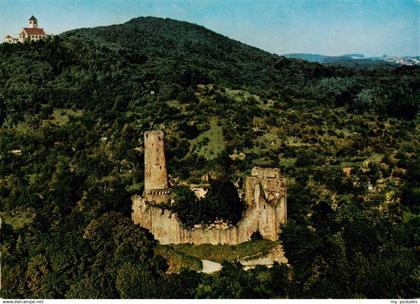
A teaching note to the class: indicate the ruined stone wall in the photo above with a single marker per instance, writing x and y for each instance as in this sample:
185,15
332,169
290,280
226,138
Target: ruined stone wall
265,196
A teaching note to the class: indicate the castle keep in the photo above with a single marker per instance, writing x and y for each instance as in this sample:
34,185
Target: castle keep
264,195
156,187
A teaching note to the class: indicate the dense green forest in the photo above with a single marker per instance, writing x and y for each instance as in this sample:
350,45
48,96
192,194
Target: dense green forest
73,110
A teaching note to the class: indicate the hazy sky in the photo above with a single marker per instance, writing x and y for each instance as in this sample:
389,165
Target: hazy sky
370,27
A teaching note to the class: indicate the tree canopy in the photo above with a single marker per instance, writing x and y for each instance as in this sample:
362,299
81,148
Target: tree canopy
73,110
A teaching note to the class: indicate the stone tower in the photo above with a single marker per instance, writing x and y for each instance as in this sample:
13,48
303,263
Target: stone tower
156,187
33,22
265,194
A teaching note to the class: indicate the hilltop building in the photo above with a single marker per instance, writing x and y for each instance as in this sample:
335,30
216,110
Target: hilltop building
264,195
30,33
10,39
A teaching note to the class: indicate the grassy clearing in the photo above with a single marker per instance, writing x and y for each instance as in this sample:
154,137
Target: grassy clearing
177,259
375,157
23,128
18,218
239,95
220,253
357,162
264,143
210,143
295,142
351,164
62,116
287,162
408,215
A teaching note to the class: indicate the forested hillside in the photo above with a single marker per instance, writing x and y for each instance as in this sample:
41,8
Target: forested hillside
73,110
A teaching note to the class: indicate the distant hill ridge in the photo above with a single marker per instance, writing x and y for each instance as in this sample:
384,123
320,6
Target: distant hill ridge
353,60
212,55
167,35
324,58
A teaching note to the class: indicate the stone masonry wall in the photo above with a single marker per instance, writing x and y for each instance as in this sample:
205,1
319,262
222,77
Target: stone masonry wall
265,196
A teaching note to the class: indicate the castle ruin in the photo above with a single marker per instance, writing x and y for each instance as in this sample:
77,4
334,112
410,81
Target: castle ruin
264,196
156,188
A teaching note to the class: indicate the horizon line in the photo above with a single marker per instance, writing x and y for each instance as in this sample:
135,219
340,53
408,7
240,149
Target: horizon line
306,52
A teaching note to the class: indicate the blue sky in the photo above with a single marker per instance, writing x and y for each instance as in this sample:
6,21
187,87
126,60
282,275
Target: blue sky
370,27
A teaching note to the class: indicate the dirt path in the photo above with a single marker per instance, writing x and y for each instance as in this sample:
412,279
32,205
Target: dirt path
275,255
210,266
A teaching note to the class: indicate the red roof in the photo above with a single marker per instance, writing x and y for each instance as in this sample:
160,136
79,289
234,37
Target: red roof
34,31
